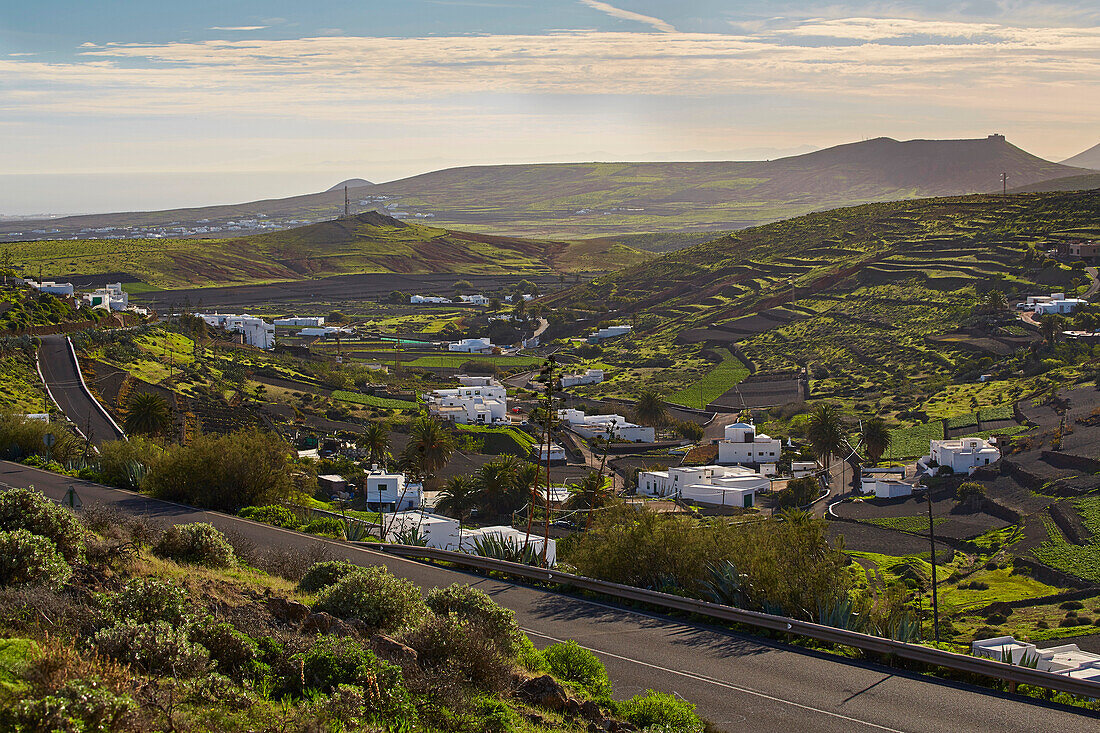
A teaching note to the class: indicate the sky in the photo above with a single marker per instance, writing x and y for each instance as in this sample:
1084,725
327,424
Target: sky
126,104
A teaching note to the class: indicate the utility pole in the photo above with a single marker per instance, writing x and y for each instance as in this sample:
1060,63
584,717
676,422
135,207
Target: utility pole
347,206
1004,185
932,544
549,420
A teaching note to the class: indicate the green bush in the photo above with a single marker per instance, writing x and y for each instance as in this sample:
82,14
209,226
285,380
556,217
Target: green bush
280,516
125,463
79,706
460,647
968,490
232,651
374,596
575,665
331,662
28,559
227,472
148,600
326,527
31,510
660,711
20,437
197,543
323,574
474,605
156,648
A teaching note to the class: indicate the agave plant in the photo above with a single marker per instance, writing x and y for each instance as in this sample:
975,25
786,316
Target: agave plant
841,614
412,537
507,549
724,586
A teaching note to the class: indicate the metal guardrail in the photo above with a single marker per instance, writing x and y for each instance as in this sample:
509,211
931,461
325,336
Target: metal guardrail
866,642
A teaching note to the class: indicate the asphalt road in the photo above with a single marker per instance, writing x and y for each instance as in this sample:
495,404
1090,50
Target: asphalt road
738,682
55,361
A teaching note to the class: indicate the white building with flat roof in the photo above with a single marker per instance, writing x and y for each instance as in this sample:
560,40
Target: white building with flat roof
589,376
1067,659
300,321
51,287
608,332
742,444
597,426
110,297
437,530
555,452
326,331
733,486
472,346
478,299
428,299
511,535
964,455
484,401
1058,306
391,492
256,331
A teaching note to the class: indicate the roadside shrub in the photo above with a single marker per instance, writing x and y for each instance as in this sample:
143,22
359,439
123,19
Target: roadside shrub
323,574
125,463
462,648
197,543
331,662
326,527
578,667
280,516
474,605
156,648
529,657
148,600
81,705
660,711
21,437
232,651
374,596
226,472
28,559
31,510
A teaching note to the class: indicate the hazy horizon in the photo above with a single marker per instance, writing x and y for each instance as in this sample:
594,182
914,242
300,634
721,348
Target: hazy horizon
98,102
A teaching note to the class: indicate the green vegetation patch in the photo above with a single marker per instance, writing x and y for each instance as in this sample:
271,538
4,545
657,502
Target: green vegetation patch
372,401
1057,552
917,523
502,440
716,383
913,442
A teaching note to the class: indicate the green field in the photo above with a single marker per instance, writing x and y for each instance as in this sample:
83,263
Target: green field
917,523
1080,560
716,383
913,442
454,361
372,401
502,440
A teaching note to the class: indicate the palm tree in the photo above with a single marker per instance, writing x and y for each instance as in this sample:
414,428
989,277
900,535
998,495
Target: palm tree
826,433
147,414
876,438
458,497
376,441
593,492
1051,327
430,445
498,490
650,408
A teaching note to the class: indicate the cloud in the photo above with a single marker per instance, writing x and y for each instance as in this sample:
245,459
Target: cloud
238,27
655,23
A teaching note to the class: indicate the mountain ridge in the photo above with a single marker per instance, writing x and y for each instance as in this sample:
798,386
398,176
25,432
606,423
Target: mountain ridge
1086,158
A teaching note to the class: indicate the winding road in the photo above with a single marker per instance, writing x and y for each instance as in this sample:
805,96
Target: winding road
738,682
61,373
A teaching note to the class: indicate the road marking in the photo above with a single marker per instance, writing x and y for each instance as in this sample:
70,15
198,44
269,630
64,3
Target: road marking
720,683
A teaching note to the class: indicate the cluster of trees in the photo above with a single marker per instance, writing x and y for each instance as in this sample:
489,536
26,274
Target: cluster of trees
497,488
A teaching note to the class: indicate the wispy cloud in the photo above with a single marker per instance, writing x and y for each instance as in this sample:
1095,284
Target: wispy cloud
655,23
238,27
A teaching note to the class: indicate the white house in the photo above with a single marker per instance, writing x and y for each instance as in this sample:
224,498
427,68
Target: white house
609,332
508,534
555,452
256,331
420,299
110,297
742,444
390,492
478,299
482,401
803,468
589,376
326,331
1058,306
870,478
1067,659
964,454
438,531
300,321
48,286
597,426
734,486
471,346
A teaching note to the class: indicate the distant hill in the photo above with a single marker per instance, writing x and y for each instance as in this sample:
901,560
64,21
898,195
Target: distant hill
350,184
363,243
571,200
1087,159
